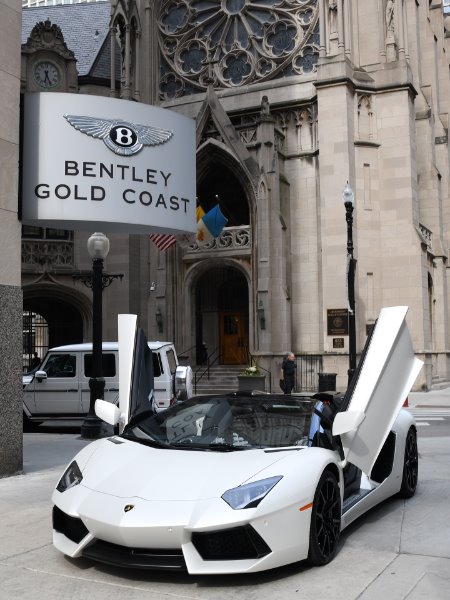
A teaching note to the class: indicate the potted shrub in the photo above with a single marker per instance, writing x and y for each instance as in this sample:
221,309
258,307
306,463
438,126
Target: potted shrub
251,378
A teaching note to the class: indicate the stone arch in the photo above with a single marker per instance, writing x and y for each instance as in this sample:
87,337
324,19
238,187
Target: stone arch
222,271
67,311
212,156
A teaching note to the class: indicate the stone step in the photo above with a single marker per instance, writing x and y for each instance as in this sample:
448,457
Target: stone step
217,378
222,379
223,369
212,391
230,382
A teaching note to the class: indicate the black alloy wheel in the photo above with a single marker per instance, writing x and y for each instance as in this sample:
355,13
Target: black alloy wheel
410,465
325,521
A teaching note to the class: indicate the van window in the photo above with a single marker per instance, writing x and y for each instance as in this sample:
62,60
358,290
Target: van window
172,361
157,366
61,365
108,365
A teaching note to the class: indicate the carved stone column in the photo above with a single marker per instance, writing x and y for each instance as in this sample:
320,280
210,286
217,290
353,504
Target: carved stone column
341,35
390,16
151,52
273,233
137,67
333,35
126,92
322,29
112,34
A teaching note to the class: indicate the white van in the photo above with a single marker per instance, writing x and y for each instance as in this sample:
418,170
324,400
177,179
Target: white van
59,389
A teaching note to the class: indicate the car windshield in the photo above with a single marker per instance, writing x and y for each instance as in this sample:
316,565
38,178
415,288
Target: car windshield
224,423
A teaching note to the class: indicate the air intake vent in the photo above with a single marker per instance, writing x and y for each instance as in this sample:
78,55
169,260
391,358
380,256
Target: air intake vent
71,527
237,543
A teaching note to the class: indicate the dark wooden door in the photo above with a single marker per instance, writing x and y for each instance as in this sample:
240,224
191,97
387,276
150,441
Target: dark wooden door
233,338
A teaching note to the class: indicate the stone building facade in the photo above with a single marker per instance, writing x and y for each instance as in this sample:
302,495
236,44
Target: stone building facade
292,99
10,284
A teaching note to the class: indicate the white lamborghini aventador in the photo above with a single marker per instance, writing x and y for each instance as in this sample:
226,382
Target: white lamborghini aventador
239,482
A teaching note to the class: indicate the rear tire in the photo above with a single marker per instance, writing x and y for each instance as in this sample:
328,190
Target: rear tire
410,465
28,425
325,526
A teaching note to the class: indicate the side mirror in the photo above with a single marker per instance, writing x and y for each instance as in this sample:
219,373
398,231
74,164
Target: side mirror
344,422
40,375
108,412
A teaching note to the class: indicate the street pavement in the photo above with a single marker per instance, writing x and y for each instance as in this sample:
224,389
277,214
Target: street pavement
399,550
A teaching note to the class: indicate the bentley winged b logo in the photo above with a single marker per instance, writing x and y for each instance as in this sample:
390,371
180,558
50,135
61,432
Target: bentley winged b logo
122,137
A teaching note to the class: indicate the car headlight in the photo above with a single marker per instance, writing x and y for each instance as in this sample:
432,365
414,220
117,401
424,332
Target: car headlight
72,476
250,494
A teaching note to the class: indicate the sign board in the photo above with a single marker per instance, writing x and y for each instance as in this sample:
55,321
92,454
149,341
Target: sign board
337,321
97,163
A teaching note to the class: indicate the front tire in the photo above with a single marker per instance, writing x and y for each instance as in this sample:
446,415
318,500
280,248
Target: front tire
410,466
325,526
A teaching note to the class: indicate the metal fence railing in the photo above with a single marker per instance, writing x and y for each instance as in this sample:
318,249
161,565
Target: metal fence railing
308,368
35,340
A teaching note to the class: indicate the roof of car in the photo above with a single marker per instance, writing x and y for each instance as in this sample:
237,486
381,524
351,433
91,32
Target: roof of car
87,347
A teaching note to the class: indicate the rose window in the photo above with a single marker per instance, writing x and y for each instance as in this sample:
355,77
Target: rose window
231,43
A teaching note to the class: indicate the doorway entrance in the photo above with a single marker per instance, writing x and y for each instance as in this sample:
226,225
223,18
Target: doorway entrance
233,337
222,318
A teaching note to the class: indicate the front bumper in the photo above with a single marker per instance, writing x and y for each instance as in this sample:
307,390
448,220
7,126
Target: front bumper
201,537
236,543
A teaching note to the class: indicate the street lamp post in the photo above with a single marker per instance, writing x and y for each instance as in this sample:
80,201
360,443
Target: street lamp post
349,201
98,248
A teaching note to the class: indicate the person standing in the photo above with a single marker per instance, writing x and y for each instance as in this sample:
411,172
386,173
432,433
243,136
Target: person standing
288,367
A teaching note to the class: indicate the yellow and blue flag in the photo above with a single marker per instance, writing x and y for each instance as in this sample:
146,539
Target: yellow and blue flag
209,225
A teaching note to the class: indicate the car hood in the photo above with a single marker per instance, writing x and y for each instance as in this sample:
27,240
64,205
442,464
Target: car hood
125,469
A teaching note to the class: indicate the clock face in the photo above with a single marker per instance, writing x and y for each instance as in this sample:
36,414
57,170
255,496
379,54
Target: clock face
46,74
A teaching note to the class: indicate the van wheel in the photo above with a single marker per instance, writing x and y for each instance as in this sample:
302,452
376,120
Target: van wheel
28,425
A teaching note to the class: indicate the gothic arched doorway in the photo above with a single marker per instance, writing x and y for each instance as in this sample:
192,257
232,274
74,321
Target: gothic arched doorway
63,325
222,317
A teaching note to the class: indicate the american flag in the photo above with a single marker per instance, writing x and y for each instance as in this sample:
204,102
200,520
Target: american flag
162,240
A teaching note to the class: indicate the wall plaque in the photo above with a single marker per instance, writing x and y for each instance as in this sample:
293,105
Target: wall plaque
338,342
337,321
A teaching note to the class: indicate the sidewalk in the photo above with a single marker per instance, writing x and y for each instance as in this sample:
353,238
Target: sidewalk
432,399
400,550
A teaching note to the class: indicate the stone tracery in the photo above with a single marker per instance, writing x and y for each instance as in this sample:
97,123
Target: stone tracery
235,42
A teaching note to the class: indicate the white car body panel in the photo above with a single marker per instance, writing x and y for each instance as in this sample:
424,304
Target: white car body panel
391,485
136,496
192,501
186,476
385,379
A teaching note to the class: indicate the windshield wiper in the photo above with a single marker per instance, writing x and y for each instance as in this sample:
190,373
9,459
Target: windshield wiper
145,442
220,447
224,447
